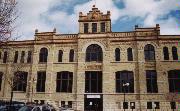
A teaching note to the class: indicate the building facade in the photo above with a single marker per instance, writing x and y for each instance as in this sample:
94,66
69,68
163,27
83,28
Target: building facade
96,69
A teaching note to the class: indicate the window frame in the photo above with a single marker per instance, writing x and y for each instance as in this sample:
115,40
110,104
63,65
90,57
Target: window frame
94,53
20,81
117,54
149,53
130,54
43,55
151,82
64,79
123,77
41,81
166,53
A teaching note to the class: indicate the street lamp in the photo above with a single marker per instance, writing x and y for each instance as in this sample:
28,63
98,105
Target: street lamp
124,85
32,88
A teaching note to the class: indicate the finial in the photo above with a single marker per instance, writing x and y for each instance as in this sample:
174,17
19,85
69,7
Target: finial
36,30
54,30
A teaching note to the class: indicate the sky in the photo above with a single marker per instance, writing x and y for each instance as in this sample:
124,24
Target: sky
45,15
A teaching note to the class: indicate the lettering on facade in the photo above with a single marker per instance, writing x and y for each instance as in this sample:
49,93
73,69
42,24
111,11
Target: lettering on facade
93,67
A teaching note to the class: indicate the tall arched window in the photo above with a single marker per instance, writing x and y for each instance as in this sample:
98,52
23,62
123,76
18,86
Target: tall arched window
43,55
60,56
71,55
130,54
5,57
117,54
149,52
174,53
94,53
166,53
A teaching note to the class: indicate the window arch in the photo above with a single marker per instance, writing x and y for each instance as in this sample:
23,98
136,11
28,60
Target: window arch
117,54
149,52
43,55
71,55
94,53
174,53
60,56
166,53
130,54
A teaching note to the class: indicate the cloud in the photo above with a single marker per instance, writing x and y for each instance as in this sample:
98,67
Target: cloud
47,14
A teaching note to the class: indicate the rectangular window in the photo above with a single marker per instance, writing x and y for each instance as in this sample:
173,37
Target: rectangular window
1,75
174,81
124,82
16,57
64,81
132,105
29,57
62,103
22,56
156,105
151,81
149,105
60,56
5,57
103,27
94,27
125,105
41,80
173,105
85,27
0,55
69,104
93,82
20,81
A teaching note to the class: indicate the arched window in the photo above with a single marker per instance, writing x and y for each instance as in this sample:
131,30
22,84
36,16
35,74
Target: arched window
124,82
5,57
94,53
166,53
60,56
117,54
43,55
71,55
1,75
130,54
149,52
20,81
174,53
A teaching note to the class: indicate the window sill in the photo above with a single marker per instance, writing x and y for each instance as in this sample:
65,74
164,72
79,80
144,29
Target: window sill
19,91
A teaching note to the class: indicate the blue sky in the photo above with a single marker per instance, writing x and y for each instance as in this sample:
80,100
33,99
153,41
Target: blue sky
45,15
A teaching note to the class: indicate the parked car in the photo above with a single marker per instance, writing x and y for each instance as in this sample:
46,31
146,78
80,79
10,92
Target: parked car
66,108
44,107
10,108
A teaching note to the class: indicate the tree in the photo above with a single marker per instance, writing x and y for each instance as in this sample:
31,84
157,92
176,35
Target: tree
8,15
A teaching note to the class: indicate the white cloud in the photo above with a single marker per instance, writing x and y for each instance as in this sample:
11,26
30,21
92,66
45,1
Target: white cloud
35,12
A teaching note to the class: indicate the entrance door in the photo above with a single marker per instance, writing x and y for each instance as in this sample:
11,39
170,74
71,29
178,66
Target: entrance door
93,104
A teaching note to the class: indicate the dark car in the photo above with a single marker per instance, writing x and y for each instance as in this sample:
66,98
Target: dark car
10,108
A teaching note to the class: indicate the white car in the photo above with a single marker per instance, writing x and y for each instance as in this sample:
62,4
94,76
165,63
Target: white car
37,108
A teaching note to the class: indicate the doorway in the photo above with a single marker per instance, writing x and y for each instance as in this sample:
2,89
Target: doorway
93,104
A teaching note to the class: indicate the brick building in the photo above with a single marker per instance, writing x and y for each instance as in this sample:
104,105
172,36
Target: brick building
96,68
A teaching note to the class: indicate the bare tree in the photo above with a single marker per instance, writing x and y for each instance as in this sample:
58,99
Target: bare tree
8,15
